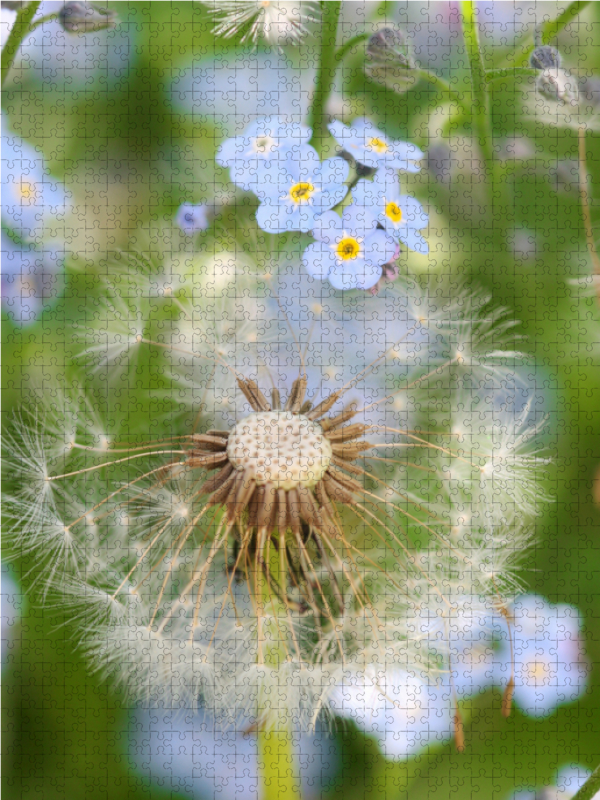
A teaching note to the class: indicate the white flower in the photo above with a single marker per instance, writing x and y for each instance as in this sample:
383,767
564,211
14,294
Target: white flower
272,21
198,752
542,652
403,711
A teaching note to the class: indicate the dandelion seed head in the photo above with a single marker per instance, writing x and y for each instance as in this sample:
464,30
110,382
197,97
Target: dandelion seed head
276,534
273,21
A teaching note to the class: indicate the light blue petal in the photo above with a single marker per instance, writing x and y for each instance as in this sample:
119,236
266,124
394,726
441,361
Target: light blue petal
412,212
358,220
379,248
273,218
327,227
407,151
354,275
340,132
272,179
413,240
329,198
340,278
318,260
334,170
405,166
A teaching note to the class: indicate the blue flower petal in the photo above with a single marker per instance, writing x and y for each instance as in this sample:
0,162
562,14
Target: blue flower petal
318,260
413,240
334,170
378,248
327,227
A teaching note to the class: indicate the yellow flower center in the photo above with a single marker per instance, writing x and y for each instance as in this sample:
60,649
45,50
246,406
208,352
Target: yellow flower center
301,192
378,145
28,192
393,211
347,248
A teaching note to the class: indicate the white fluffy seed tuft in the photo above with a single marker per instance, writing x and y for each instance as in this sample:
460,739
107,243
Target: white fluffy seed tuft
284,449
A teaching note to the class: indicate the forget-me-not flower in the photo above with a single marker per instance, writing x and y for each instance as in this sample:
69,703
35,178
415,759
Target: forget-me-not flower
549,668
369,146
349,252
400,709
192,218
401,215
31,200
263,140
201,756
296,188
29,279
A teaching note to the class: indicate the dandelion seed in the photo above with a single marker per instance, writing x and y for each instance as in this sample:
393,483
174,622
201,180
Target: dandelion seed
272,21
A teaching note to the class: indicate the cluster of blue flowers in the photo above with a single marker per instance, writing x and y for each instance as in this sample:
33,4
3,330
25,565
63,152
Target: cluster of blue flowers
297,192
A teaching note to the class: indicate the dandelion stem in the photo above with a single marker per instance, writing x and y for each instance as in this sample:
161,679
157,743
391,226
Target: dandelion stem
480,103
19,31
590,787
325,74
585,207
278,772
481,119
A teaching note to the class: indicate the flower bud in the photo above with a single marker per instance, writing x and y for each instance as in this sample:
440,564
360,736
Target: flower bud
558,85
84,17
545,57
387,61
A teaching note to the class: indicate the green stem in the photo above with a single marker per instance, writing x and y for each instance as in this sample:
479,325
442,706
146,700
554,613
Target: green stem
342,52
510,72
480,105
19,31
585,207
42,20
590,787
325,73
277,769
552,27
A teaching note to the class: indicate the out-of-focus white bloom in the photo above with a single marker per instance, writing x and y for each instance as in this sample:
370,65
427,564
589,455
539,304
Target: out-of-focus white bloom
545,654
465,632
404,712
272,21
251,83
195,753
568,782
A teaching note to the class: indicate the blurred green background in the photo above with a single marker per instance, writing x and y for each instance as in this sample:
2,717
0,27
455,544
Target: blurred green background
130,156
